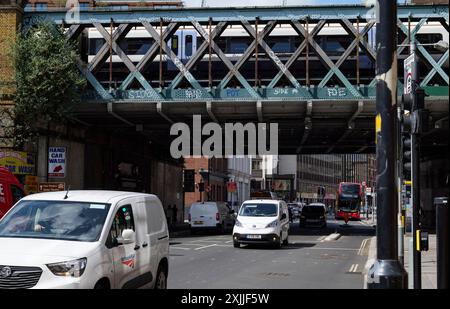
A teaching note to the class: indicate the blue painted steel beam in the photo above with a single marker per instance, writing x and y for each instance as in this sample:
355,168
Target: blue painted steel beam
331,13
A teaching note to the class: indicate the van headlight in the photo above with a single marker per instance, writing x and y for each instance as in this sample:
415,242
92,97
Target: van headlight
272,224
74,268
237,223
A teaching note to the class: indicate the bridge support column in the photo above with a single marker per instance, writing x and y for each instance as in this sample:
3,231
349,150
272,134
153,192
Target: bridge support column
386,272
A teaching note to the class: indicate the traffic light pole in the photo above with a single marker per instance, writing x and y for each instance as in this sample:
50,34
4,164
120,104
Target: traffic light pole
415,195
386,272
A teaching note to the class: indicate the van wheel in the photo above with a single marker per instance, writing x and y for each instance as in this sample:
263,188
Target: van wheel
161,279
221,229
279,243
102,285
286,241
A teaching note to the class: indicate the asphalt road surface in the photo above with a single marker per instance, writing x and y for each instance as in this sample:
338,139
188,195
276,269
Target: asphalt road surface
309,261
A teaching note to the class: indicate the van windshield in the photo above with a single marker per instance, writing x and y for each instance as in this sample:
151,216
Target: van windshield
258,210
58,220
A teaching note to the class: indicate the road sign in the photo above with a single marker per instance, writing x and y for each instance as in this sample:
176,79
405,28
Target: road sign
231,187
409,73
363,183
368,190
51,186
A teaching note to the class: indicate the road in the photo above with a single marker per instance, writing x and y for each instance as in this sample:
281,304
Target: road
309,261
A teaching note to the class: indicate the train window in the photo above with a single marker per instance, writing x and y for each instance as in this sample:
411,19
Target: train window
429,38
279,44
138,46
95,45
238,45
174,44
188,46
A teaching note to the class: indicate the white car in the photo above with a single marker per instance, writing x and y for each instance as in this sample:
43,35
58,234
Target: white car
85,239
216,216
262,221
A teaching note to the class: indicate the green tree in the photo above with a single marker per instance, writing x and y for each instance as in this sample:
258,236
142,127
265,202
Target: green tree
47,79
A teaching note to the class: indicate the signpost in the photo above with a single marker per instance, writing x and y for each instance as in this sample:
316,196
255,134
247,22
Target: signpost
57,162
51,186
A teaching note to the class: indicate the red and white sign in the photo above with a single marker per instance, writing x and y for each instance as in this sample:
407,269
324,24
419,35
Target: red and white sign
231,187
57,162
368,190
363,183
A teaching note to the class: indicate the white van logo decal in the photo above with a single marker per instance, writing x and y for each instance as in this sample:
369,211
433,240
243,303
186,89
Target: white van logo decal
128,260
5,272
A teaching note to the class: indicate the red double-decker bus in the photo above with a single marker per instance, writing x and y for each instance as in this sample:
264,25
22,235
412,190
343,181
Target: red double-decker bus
348,201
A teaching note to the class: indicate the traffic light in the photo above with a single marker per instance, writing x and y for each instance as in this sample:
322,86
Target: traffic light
189,181
406,140
416,121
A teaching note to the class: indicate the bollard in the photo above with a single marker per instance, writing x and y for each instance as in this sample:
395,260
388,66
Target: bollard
442,242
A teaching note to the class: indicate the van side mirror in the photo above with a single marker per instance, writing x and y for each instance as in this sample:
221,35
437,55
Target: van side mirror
128,237
283,216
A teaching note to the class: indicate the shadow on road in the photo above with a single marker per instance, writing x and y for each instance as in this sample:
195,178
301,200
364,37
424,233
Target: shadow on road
297,245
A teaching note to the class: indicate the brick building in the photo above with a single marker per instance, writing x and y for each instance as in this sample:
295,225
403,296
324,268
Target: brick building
213,172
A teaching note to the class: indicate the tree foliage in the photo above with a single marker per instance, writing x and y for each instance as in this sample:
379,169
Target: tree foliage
48,81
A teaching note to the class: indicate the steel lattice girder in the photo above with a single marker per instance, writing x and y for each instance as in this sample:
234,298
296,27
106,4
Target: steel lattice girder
295,16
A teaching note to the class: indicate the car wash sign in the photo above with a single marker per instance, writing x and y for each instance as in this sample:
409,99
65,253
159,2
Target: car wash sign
57,162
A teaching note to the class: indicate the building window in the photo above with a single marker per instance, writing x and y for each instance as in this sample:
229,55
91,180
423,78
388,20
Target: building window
41,6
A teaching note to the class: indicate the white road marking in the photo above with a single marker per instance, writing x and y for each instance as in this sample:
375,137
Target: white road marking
228,241
363,245
199,248
353,268
173,247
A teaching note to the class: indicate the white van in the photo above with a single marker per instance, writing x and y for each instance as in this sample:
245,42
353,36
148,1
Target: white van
215,216
262,221
85,239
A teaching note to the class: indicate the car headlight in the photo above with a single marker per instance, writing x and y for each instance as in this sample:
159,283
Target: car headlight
272,224
238,224
74,268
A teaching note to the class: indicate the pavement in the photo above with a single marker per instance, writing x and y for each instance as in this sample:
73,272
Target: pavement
429,271
325,258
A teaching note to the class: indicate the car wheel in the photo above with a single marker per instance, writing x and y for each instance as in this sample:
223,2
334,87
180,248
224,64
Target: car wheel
236,244
161,279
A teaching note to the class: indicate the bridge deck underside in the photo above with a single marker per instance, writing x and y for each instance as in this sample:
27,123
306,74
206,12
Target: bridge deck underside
323,127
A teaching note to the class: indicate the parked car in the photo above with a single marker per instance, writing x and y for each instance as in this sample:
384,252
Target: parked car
314,214
262,221
11,190
211,216
85,239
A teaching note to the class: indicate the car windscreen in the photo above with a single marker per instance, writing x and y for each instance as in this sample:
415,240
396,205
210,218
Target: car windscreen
312,209
259,210
59,220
